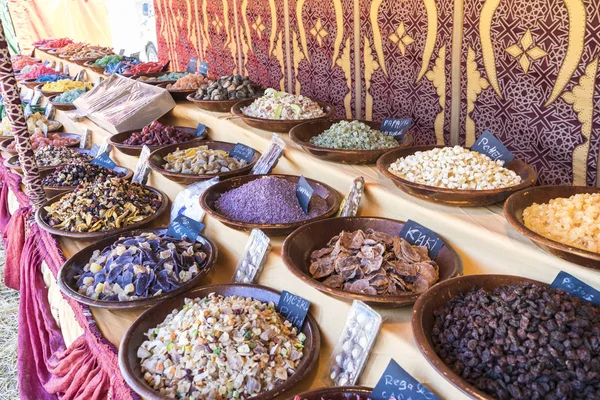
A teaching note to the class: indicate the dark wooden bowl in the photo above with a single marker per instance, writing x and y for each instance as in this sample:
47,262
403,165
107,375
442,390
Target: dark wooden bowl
210,196
6,142
61,106
82,61
299,245
134,337
337,393
518,202
41,213
132,150
128,75
276,125
74,265
156,162
52,191
454,197
137,78
435,299
30,83
214,105
13,163
45,92
301,135
96,68
177,94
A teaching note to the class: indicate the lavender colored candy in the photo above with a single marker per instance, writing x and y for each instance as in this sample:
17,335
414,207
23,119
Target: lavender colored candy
268,200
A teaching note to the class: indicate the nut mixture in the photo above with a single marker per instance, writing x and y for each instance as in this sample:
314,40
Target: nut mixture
189,82
229,87
78,174
221,348
201,161
51,156
140,266
102,206
353,135
157,134
574,221
374,263
522,341
282,106
455,168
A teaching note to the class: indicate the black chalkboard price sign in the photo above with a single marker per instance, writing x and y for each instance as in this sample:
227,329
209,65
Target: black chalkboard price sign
417,235
293,307
304,193
576,287
203,68
242,152
489,145
396,383
395,127
183,226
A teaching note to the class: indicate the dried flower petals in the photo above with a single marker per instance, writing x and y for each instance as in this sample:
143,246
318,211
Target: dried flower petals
374,263
201,160
78,174
102,206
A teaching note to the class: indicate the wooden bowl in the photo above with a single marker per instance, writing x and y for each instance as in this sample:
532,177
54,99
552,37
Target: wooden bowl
82,61
134,337
74,265
469,198
61,106
301,135
6,142
337,393
214,105
177,94
45,92
299,245
156,162
155,83
276,125
41,215
96,68
127,75
29,83
518,202
212,194
52,191
436,298
133,150
13,163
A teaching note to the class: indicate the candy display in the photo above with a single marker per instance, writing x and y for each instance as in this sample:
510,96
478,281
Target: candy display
522,341
64,85
69,49
36,122
23,61
574,221
145,68
220,348
85,52
141,266
157,134
51,78
52,156
189,82
171,76
78,173
353,135
56,43
454,168
269,200
102,206
39,140
37,70
283,106
201,160
108,59
229,87
374,263
69,97
121,67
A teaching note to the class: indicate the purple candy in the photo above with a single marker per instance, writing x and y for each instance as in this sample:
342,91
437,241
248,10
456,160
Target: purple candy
269,200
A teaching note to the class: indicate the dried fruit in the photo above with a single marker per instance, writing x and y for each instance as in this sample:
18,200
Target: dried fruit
78,174
201,160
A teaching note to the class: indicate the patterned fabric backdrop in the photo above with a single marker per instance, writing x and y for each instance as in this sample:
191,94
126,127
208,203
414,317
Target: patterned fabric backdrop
525,69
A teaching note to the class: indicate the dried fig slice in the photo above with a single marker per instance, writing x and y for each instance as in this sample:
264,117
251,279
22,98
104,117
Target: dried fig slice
315,255
358,238
429,272
334,281
321,268
344,263
371,265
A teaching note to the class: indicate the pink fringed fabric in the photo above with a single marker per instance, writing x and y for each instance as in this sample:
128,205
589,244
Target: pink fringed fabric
14,242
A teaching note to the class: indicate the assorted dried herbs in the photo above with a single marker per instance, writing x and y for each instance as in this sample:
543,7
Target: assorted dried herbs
52,156
102,206
141,266
522,341
374,263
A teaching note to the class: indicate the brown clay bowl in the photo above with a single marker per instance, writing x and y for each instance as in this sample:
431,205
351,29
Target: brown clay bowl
518,202
301,135
74,265
52,191
13,163
61,106
6,142
213,105
95,68
212,194
133,150
41,215
469,198
45,92
134,337
276,125
436,298
137,78
30,83
337,393
127,75
299,245
156,162
82,61
177,94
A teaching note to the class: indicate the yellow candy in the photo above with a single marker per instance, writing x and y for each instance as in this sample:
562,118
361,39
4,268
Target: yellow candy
64,85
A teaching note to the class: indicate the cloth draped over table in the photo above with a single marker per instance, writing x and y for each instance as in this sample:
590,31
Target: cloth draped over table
86,370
